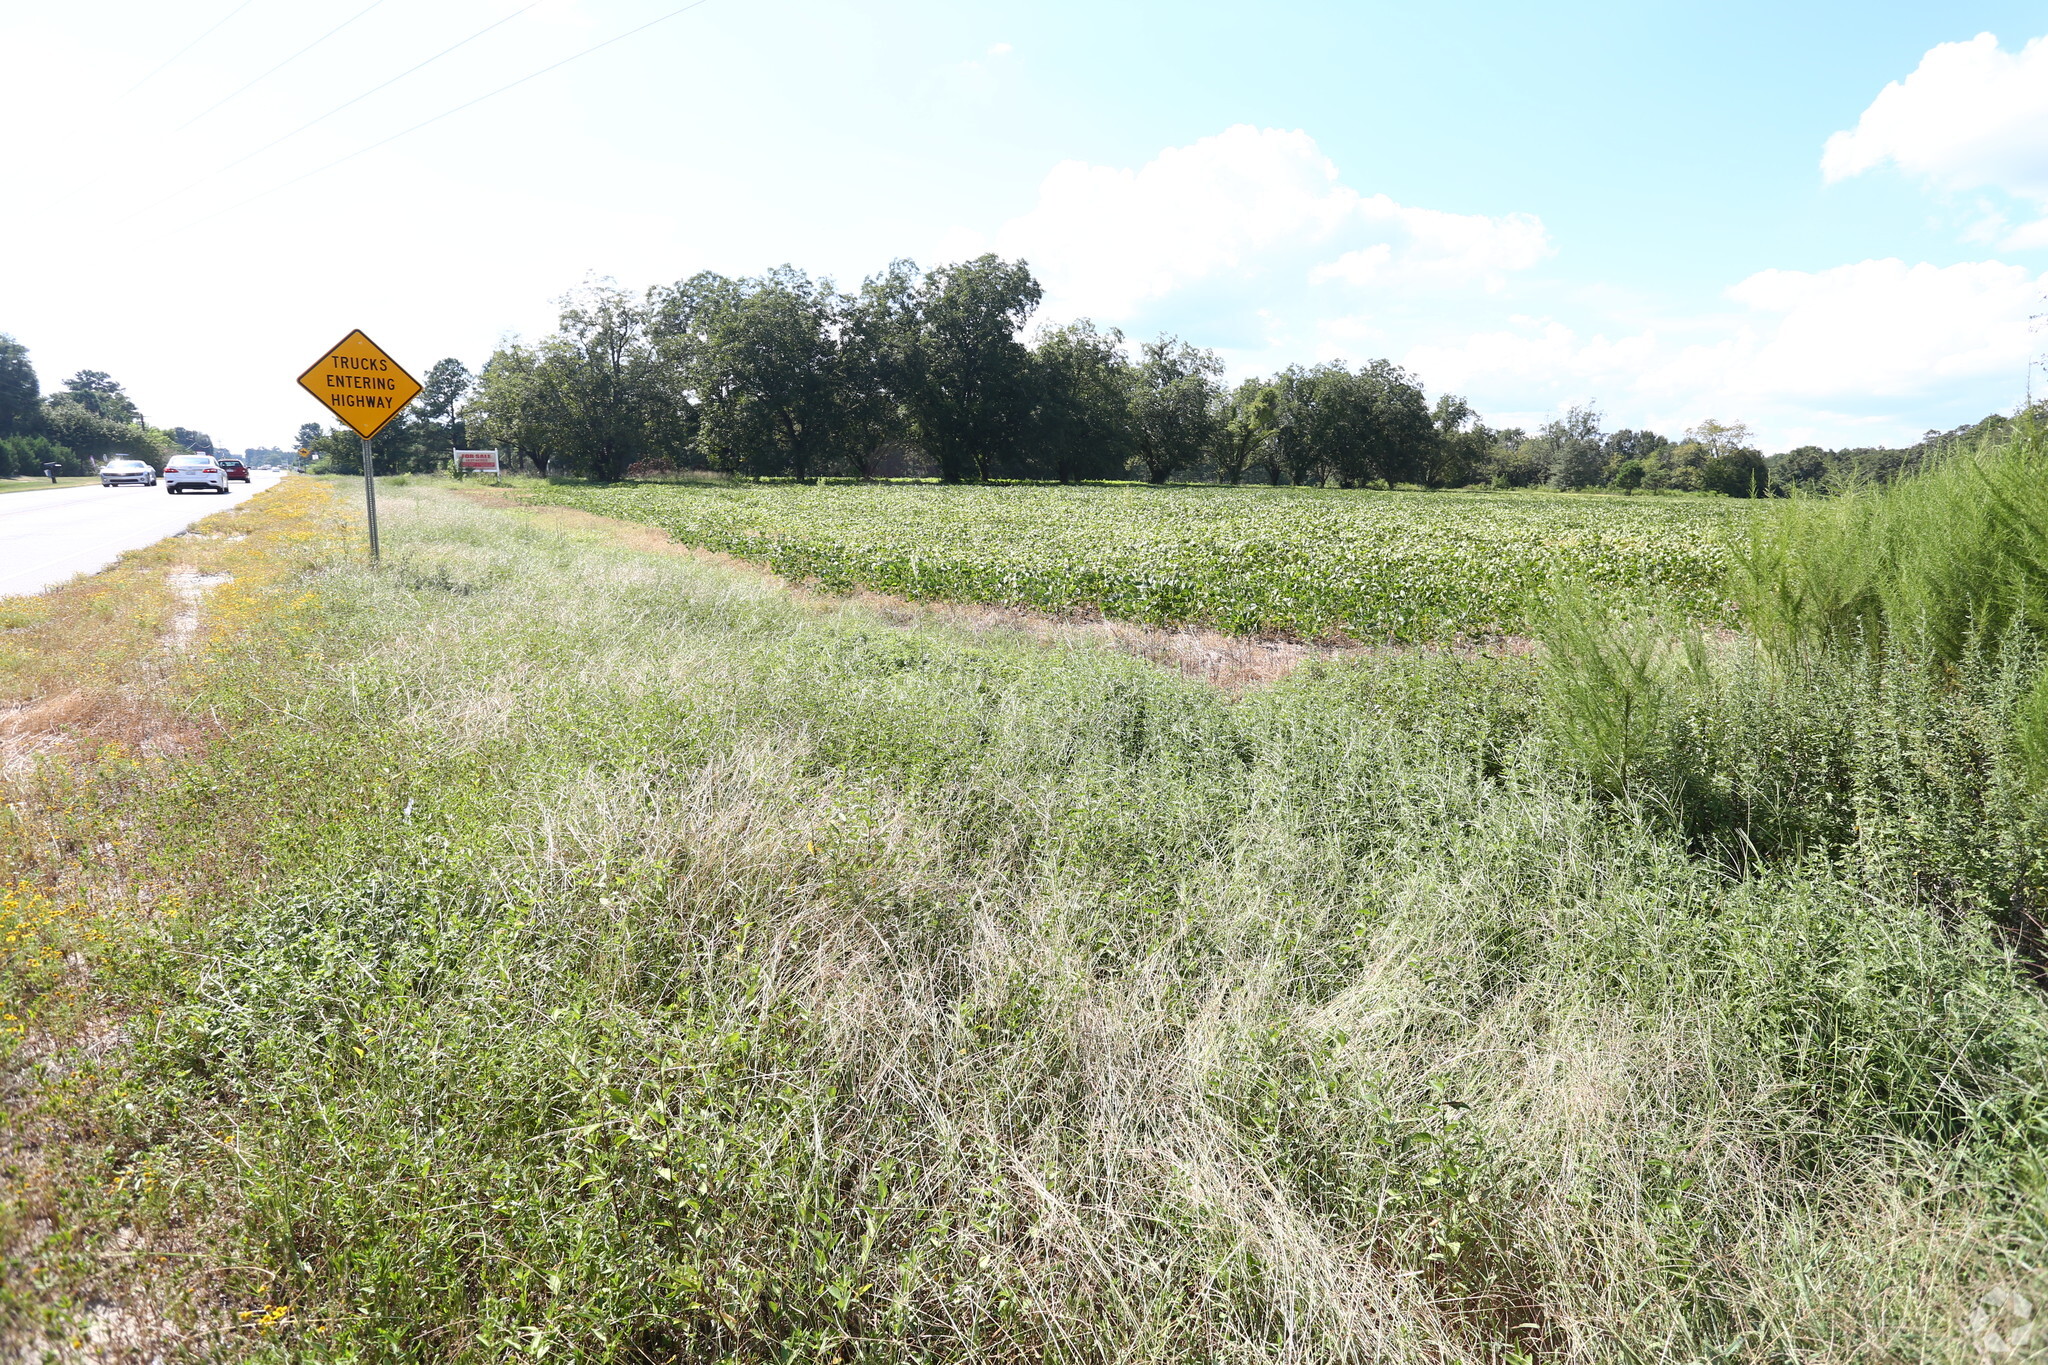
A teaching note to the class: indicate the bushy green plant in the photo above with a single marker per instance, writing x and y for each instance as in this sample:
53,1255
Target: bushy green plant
1949,560
1610,685
23,456
2030,729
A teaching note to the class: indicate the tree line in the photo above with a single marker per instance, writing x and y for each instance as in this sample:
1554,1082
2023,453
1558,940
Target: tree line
88,419
1812,468
930,373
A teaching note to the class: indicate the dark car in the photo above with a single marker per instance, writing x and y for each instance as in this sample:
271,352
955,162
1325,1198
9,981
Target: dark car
235,468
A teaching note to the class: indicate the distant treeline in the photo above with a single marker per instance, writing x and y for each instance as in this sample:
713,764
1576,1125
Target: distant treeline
1812,469
930,373
90,418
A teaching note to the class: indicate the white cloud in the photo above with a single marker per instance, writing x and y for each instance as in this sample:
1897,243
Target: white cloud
1247,204
1251,241
1877,343
1970,116
1880,328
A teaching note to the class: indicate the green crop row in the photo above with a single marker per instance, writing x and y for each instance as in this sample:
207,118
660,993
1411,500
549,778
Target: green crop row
1307,563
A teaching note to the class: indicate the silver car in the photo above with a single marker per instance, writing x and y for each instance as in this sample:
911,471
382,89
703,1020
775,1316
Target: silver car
126,469
194,471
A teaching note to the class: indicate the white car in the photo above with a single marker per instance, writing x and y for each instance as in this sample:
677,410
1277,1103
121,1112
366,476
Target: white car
126,469
194,471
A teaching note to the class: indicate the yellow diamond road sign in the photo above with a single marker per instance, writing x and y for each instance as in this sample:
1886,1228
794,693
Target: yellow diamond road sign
360,384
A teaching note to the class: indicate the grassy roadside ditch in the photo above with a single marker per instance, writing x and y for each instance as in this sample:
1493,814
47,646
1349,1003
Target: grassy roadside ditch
591,954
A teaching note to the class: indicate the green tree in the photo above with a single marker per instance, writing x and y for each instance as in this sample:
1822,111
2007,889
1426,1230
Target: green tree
1460,449
1304,419
1724,438
602,397
20,395
99,394
1808,468
765,372
1629,445
1738,473
1394,436
509,409
1353,428
448,384
1251,414
1174,407
340,451
964,375
85,433
1081,424
1683,466
1574,449
309,433
1515,460
410,443
870,371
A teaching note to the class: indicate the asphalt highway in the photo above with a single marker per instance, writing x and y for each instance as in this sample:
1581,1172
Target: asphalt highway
47,538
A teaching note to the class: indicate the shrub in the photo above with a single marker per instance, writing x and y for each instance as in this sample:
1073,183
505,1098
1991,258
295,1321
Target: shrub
1951,560
22,457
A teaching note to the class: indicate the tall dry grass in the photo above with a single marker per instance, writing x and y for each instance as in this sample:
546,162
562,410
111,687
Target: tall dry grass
654,969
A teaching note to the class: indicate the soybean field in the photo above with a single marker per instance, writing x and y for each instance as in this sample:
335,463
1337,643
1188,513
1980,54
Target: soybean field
1297,562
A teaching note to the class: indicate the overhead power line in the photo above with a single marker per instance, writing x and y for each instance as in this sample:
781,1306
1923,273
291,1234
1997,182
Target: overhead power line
467,104
280,66
375,88
165,63
315,122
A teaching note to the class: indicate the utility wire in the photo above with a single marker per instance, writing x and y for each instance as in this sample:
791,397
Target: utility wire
345,104
280,66
186,48
450,113
375,88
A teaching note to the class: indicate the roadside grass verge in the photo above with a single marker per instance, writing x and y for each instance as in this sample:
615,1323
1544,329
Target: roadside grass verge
97,884
31,485
633,964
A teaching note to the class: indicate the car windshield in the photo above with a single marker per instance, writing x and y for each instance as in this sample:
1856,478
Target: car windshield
124,464
189,461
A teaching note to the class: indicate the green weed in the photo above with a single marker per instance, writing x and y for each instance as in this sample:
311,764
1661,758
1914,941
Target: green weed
663,970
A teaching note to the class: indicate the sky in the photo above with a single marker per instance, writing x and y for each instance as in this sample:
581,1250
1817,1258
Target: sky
1829,221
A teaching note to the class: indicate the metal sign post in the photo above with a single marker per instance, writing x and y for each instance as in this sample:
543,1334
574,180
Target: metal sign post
365,388
370,497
